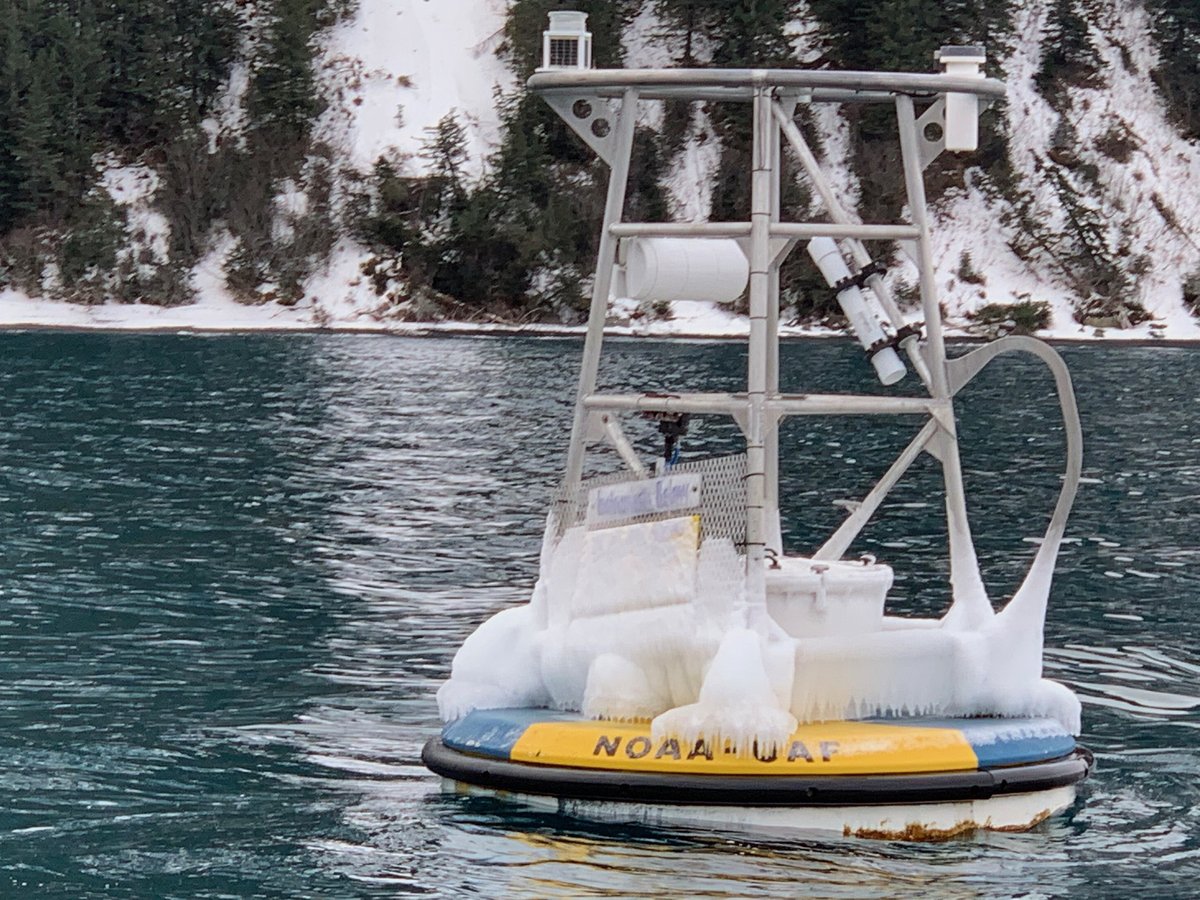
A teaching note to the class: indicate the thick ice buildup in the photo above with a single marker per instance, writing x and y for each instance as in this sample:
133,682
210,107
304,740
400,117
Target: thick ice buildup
497,667
608,583
738,706
644,621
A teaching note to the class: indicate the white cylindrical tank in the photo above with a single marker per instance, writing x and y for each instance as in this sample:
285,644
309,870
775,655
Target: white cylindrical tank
825,253
712,269
962,110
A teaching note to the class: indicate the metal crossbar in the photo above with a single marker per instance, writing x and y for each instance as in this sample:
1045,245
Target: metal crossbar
802,230
740,84
780,404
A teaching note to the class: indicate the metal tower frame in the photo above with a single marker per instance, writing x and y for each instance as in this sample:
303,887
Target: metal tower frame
601,107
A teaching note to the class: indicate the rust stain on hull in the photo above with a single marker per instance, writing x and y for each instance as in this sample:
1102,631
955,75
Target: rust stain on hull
915,831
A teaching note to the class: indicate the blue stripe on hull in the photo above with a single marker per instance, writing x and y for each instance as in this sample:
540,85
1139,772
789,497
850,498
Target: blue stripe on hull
996,742
1003,742
494,732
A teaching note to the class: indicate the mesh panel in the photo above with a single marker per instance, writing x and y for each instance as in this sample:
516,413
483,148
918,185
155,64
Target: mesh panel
722,499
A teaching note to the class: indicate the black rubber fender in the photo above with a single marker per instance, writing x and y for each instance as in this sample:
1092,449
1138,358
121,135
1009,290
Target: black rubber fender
755,790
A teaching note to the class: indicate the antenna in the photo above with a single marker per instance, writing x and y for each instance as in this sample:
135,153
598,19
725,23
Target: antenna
566,44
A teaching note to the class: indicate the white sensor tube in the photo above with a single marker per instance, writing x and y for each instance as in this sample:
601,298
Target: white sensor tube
712,269
825,253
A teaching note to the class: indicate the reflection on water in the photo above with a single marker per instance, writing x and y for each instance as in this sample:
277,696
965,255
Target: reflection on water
236,569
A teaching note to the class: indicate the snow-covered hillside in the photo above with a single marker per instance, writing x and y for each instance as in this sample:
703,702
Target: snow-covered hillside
1143,194
393,69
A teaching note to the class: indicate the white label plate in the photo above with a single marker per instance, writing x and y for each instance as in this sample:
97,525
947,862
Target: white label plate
614,503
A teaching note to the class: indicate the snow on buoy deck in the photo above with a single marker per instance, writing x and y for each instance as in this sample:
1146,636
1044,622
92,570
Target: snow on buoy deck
914,778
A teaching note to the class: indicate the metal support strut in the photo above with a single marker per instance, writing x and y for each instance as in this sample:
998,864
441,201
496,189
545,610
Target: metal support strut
840,216
756,381
972,606
606,259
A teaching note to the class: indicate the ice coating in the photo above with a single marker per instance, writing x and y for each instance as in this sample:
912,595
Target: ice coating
645,622
740,704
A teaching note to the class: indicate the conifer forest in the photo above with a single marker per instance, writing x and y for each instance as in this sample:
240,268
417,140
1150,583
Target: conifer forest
216,106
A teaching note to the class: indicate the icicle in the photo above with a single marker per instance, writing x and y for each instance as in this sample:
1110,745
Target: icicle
738,706
971,607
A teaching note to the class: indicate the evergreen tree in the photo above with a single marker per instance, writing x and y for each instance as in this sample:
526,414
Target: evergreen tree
1177,28
687,18
1067,55
746,33
902,35
749,33
444,193
14,69
207,39
110,75
134,100
37,158
284,95
446,150
75,46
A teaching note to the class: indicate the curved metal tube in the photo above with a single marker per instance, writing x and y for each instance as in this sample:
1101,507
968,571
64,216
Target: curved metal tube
960,372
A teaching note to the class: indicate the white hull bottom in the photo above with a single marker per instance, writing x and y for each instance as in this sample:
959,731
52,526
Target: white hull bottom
920,822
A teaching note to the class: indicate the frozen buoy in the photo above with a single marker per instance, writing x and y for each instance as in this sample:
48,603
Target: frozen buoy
676,663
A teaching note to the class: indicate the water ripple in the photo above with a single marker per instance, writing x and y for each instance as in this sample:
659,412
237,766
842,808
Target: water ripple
236,570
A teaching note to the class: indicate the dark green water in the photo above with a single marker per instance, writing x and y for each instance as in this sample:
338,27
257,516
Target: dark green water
234,570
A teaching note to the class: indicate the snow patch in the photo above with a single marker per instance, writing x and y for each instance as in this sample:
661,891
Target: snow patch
291,205
689,180
208,275
647,43
1142,196
647,47
394,69
970,226
341,295
133,188
230,118
835,158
